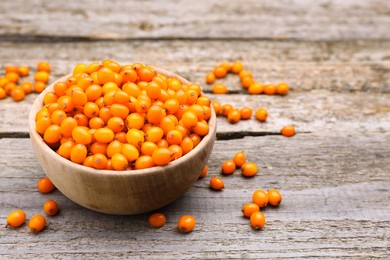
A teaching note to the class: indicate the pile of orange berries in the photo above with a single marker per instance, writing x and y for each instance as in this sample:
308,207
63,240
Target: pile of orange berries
9,83
37,222
260,200
246,78
108,116
185,224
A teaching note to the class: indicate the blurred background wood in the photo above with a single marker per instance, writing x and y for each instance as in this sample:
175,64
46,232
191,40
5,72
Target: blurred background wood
333,174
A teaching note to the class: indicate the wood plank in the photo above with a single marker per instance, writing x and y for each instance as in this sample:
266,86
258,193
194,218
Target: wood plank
315,111
286,19
336,66
335,192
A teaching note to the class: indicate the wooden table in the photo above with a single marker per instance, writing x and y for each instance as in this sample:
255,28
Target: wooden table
334,174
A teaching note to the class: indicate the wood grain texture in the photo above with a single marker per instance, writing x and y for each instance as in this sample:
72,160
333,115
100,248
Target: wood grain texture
335,205
287,19
336,66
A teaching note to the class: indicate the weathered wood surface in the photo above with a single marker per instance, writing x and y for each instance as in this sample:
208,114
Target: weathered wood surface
287,19
334,174
335,66
336,204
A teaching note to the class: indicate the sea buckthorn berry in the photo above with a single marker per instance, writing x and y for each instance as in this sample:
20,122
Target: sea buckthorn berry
234,116
176,151
116,124
239,158
99,161
79,98
153,90
163,143
105,75
171,105
12,77
60,89
79,69
49,97
28,87
219,88
119,162
43,66
42,76
81,135
66,103
246,81
97,147
135,137
3,94
237,67
257,220
225,109
249,169
57,117
45,185
93,92
91,110
274,198
198,110
167,124
220,72
146,75
161,156
269,89
195,139
246,113
96,122
65,148
216,183
228,167
11,68
130,152
104,135
186,145
16,218
245,73
78,153
148,148
255,88
174,137
23,71
93,67
155,114
119,110
282,89
157,220
249,209
17,94
288,131
189,119
204,101
201,128
52,134
113,148
217,107
186,224
42,124
50,208
210,78
260,197
135,120
154,134
81,119
204,171
261,114
143,162
37,223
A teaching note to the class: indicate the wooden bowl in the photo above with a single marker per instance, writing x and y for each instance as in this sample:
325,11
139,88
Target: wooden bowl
122,192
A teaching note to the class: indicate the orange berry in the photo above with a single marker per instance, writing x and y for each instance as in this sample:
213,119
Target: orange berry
186,223
146,75
37,223
249,169
201,128
269,89
148,148
17,94
210,78
257,220
246,81
176,151
161,156
99,161
282,89
105,75
219,88
189,119
119,110
135,120
217,107
204,171
237,67
174,137
154,134
261,114
42,76
28,87
78,153
260,197
42,124
234,116
57,117
39,86
3,94
11,68
81,135
157,220
12,77
225,109
43,66
228,167
119,162
16,218
104,135
255,88
154,115
135,137
116,124
65,148
195,139
239,158
52,134
50,208
274,198
130,152
143,162
113,148
246,113
249,209
186,145
153,90
45,185
216,183
220,72
288,131
245,73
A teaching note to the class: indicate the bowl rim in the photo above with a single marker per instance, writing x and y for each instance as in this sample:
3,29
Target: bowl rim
37,104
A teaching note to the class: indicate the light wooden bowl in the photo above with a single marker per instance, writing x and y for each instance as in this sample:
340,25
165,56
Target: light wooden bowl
122,192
